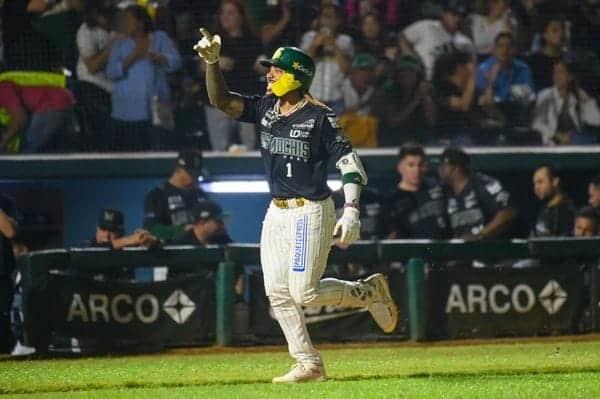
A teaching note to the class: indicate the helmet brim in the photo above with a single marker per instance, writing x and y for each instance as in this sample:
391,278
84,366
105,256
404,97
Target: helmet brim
268,63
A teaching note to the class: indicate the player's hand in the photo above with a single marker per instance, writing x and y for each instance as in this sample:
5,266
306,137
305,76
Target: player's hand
348,226
209,47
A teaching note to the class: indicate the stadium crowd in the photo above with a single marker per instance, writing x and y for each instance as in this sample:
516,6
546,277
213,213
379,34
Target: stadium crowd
449,72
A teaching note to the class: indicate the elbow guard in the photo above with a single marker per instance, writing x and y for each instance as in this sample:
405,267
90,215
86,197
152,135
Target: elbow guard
352,169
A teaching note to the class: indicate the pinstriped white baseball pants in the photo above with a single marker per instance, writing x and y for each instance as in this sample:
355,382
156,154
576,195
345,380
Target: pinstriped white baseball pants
294,247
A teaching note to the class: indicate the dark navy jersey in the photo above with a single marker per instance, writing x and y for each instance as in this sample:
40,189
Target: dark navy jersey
171,206
556,221
476,205
417,214
296,148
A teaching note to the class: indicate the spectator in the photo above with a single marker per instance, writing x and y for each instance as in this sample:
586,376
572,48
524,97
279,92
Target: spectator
594,193
416,209
586,223
553,38
585,22
332,52
208,226
461,120
276,31
371,37
409,111
110,232
7,266
391,10
94,42
429,39
505,82
190,118
24,47
484,28
168,208
555,218
563,111
39,108
478,206
502,77
239,51
138,65
360,124
59,21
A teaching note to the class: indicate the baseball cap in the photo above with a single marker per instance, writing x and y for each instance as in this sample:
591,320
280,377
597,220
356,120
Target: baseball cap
363,61
191,161
456,6
455,156
111,220
409,62
206,209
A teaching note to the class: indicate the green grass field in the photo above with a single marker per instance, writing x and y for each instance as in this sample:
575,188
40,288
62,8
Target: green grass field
529,369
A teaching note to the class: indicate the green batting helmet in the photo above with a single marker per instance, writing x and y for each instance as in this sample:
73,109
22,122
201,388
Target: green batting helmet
294,61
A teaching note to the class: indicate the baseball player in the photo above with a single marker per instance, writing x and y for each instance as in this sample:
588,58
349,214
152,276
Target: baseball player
298,135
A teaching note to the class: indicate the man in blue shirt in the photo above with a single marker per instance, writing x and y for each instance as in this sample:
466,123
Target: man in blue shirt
505,86
502,76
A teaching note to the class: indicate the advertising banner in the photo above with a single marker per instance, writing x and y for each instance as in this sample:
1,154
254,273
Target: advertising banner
488,302
114,313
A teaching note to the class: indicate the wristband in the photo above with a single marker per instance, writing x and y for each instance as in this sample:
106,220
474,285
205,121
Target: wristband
351,205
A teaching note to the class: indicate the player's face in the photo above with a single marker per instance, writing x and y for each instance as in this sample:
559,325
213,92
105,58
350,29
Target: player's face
230,17
130,23
451,21
561,76
370,27
584,227
594,195
445,171
273,74
554,34
542,184
412,168
503,50
104,236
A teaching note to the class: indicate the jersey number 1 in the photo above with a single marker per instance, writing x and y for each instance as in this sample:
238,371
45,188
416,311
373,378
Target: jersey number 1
288,166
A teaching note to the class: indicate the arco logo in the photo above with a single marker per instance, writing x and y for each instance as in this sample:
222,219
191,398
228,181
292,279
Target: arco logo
500,299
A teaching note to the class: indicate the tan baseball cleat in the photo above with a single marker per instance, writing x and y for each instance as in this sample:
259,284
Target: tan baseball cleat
302,373
383,309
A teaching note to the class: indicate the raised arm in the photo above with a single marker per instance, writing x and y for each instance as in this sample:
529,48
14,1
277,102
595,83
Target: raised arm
209,49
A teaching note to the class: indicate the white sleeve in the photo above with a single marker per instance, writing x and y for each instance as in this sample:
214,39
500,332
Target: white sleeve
307,39
345,43
416,31
85,42
590,114
540,121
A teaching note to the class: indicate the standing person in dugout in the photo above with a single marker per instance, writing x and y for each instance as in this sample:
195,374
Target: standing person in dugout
298,135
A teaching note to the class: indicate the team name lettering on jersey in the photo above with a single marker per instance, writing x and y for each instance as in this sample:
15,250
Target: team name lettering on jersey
285,146
268,119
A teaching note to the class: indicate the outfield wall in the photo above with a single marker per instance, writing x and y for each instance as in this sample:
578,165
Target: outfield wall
441,289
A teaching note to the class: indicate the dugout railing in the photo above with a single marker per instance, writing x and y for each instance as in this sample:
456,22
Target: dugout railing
447,289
